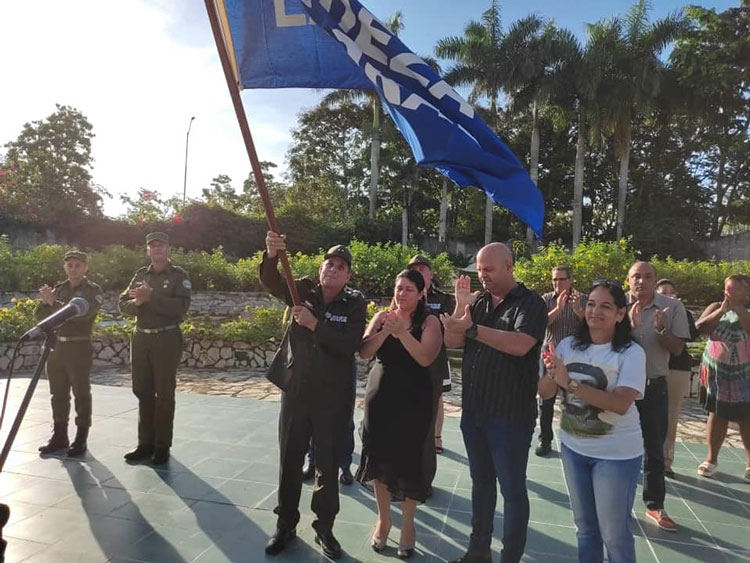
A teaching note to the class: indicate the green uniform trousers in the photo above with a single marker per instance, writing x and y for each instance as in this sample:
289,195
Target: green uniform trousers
154,359
68,367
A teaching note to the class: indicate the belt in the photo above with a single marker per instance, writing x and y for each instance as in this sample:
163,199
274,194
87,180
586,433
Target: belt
155,330
73,338
655,380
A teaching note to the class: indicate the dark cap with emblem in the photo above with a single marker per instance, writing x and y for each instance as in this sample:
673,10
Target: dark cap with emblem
77,254
339,251
419,259
162,237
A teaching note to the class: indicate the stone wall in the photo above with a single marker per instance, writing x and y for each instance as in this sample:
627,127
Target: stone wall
109,352
211,303
729,248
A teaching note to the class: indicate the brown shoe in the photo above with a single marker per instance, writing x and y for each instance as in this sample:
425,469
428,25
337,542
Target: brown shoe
662,519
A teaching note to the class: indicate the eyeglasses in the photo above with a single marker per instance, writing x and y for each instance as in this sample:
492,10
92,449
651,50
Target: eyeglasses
606,283
559,279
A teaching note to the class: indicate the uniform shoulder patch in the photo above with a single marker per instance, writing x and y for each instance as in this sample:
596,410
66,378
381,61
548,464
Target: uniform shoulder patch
186,284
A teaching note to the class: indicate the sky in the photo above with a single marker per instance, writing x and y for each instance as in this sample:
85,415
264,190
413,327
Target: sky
140,69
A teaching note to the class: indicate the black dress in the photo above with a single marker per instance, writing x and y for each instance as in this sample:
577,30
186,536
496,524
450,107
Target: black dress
398,414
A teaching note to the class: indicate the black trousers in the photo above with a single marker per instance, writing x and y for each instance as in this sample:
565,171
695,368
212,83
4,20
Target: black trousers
653,413
546,414
302,418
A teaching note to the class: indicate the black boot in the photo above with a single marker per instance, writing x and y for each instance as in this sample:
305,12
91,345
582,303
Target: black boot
58,440
78,447
143,451
161,456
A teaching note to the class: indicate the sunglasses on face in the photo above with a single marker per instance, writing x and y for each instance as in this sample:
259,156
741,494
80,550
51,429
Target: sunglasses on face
606,283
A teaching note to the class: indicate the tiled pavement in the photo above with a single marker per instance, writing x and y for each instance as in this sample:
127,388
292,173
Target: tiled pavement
214,501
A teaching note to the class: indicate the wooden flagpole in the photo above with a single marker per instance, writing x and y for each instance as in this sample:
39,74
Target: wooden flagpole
239,110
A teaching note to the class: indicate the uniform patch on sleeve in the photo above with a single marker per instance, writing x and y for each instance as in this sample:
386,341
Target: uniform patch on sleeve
186,284
99,298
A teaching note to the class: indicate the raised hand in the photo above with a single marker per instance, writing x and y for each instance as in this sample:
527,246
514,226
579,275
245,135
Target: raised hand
457,324
141,293
555,367
47,295
274,243
660,319
394,325
635,315
464,296
563,298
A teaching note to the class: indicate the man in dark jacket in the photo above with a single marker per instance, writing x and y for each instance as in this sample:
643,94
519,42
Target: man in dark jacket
325,333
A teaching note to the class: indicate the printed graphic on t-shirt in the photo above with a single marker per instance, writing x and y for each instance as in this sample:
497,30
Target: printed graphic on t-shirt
578,417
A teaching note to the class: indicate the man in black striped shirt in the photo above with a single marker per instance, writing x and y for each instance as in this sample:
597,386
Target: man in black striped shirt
501,331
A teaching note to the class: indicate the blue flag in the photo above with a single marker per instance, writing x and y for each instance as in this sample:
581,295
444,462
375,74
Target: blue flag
442,129
276,45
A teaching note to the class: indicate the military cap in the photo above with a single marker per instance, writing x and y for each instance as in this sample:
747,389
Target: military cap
157,236
419,259
75,254
339,251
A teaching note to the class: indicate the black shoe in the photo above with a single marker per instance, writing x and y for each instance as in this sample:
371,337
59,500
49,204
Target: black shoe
543,448
143,451
669,473
4,517
331,546
58,440
161,456
472,558
279,540
308,470
78,447
346,477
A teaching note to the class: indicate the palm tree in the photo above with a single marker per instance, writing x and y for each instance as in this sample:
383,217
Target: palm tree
542,53
634,78
395,24
577,89
490,61
479,63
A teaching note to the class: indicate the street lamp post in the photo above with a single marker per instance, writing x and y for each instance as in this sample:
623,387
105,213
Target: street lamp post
184,182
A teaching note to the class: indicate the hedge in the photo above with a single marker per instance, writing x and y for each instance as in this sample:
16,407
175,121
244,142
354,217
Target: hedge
374,268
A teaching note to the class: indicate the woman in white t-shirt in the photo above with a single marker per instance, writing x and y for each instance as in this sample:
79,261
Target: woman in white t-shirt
602,372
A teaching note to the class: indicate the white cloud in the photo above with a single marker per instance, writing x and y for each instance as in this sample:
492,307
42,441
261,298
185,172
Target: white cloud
132,69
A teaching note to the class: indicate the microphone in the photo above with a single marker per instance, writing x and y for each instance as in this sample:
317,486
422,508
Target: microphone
77,307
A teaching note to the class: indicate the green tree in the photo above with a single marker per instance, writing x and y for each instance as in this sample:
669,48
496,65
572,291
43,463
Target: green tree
45,176
710,63
634,75
148,207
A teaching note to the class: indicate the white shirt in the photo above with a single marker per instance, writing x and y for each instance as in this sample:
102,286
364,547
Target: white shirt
589,430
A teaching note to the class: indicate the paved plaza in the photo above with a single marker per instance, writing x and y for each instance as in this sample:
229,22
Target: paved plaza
214,501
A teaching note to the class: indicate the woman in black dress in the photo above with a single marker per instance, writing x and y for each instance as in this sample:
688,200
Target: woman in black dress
398,406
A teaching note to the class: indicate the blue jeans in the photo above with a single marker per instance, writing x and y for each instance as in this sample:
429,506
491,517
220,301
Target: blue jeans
498,448
602,492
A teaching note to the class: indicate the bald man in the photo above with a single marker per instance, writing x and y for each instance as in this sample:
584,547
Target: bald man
661,327
501,331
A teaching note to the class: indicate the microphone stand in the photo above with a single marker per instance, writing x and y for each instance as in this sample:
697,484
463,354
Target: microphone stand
49,344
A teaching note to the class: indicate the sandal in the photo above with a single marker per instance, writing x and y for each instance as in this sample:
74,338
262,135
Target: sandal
707,469
439,445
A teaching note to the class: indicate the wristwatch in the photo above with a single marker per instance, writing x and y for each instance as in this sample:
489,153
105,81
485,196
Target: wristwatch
573,386
471,332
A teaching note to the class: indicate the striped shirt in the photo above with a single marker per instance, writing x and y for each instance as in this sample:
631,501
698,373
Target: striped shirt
566,322
496,384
